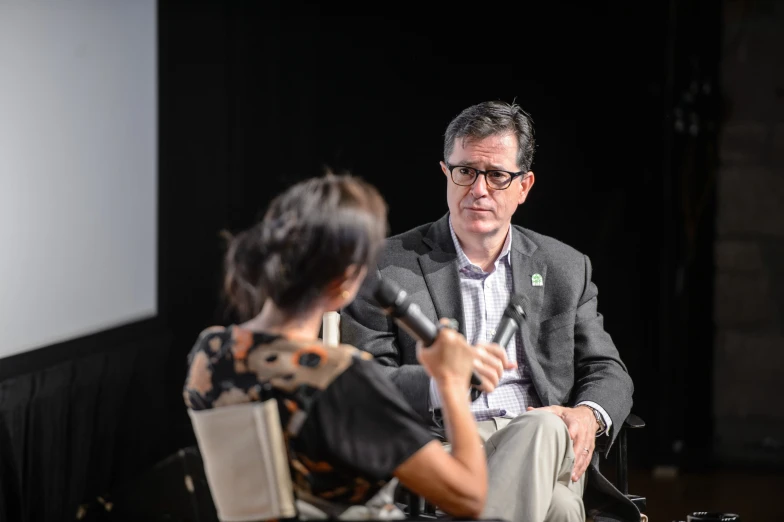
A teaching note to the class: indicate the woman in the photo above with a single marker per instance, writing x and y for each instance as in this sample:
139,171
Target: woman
309,255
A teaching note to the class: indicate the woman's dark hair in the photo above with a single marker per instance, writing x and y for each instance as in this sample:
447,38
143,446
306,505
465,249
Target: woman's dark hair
309,236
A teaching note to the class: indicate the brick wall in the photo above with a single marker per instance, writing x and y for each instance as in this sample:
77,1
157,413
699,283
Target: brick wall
749,251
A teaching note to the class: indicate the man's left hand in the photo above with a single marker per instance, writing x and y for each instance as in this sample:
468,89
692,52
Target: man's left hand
582,428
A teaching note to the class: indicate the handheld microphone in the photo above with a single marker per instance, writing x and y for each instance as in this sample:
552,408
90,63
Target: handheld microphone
396,303
511,320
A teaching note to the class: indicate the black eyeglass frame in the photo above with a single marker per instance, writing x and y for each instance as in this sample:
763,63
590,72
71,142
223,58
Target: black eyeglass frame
484,173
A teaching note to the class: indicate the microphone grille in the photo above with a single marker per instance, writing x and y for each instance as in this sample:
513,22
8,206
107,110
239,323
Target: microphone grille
516,308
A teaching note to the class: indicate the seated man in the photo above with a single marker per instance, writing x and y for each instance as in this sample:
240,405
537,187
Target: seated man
559,388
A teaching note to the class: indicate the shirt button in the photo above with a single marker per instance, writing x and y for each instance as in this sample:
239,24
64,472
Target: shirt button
503,413
492,331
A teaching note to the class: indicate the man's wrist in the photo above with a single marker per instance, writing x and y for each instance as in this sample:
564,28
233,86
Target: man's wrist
601,426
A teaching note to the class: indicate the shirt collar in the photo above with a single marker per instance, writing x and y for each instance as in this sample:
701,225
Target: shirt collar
462,259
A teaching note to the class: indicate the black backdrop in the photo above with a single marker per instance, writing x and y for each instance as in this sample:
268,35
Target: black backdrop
255,97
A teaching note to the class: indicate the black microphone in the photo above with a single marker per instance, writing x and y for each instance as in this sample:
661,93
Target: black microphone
396,303
511,320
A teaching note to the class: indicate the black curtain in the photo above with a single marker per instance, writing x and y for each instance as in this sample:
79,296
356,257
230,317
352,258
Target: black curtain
692,118
78,429
322,85
253,97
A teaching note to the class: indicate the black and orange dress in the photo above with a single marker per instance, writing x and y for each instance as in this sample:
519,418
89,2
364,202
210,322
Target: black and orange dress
348,426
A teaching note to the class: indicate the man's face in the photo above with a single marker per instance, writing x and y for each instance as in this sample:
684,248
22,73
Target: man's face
479,210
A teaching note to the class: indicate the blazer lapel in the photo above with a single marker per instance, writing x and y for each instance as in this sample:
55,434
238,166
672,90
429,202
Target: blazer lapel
524,268
440,272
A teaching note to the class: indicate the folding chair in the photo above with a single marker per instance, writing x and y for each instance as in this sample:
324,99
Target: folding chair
245,461
247,470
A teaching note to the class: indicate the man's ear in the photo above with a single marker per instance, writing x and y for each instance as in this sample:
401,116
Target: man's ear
444,169
526,184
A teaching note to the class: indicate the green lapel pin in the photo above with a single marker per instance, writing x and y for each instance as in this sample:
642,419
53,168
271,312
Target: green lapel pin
536,280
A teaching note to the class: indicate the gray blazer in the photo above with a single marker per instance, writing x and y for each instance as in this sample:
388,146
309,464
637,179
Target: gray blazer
570,355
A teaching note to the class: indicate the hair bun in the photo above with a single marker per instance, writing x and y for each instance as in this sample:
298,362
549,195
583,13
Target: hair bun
308,238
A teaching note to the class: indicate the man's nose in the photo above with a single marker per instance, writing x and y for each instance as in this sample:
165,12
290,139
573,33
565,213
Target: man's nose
479,188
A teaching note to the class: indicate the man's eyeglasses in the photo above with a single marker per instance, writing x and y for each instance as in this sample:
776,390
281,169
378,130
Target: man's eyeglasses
495,179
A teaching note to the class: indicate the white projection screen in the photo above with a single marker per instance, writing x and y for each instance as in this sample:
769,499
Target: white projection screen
78,168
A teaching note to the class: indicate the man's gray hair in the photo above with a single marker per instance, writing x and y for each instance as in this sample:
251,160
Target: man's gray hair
493,118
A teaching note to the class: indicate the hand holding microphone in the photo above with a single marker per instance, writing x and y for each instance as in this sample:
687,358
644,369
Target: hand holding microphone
396,303
492,359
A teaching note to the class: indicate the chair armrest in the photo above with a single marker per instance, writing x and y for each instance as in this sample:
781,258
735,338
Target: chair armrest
633,421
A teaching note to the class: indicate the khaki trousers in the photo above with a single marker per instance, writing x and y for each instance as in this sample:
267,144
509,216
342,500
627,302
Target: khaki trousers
530,460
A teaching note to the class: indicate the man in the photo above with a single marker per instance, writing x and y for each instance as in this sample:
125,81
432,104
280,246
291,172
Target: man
559,388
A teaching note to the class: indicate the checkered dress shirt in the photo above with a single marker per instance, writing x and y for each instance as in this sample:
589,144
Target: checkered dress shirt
485,296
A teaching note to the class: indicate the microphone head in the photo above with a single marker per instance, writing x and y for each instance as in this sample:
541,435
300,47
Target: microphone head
516,308
388,293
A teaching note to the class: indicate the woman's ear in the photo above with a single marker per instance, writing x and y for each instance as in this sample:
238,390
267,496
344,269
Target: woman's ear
355,274
342,290
353,278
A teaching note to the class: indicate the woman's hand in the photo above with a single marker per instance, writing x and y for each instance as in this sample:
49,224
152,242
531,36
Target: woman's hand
450,359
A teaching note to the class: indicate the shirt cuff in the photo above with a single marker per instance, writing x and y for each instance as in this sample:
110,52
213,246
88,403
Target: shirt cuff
607,419
435,397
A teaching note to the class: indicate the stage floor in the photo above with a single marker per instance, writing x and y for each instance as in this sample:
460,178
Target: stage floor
755,496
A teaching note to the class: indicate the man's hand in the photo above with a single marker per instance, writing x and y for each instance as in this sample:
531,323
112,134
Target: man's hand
490,363
582,429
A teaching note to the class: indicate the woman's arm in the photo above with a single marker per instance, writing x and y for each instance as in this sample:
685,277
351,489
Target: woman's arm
456,482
